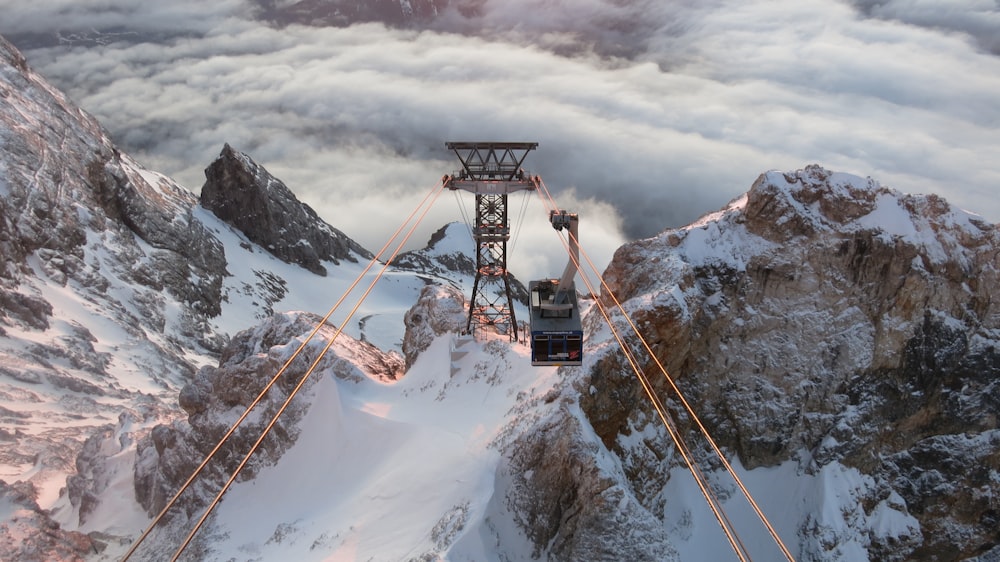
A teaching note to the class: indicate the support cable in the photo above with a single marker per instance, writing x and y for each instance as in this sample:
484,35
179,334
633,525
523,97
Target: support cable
302,381
520,221
714,503
281,371
687,407
465,215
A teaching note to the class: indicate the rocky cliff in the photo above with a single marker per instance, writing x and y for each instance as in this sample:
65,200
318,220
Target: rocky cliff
242,193
821,320
115,287
107,283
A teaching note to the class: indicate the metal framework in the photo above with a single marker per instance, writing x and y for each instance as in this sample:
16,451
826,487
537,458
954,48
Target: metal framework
491,170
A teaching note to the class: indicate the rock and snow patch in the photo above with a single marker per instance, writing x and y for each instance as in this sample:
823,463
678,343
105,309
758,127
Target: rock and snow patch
825,313
439,310
359,455
116,287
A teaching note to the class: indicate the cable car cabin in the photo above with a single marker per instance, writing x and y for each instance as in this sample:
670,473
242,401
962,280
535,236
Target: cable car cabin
556,331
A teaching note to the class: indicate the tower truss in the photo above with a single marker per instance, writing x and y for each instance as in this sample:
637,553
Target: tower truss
492,171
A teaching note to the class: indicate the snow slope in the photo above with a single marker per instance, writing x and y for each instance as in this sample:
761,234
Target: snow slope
379,470
389,471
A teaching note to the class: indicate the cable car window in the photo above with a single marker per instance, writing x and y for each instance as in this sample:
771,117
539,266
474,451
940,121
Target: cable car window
557,313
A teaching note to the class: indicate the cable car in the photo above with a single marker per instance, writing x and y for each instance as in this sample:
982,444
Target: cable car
556,328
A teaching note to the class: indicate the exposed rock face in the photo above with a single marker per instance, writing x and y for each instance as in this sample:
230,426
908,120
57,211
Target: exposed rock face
109,193
568,502
170,453
19,536
827,319
245,195
89,240
439,310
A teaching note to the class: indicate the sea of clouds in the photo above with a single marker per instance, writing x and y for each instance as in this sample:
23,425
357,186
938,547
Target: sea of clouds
648,113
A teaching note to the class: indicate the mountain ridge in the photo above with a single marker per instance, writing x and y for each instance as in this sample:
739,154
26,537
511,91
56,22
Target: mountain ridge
116,287
243,194
859,333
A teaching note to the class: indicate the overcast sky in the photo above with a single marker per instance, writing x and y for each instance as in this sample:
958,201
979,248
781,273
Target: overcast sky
648,113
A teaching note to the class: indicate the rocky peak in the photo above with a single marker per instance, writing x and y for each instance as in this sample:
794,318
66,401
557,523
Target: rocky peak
242,193
449,256
826,319
449,250
781,206
108,288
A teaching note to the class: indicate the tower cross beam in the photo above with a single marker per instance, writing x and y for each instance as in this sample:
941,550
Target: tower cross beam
485,161
491,170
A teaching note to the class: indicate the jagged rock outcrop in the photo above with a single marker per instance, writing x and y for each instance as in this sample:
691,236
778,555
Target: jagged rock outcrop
450,250
828,319
104,273
170,453
440,309
54,196
27,532
242,193
570,503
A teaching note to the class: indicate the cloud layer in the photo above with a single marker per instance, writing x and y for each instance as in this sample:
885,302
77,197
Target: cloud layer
648,114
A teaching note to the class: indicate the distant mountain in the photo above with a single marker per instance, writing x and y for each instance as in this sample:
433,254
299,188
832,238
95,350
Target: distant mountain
611,28
614,28
242,193
341,13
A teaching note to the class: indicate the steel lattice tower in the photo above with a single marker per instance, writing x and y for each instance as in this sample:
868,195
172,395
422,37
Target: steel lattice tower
491,170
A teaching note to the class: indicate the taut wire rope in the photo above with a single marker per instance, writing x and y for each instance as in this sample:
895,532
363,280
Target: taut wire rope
520,221
465,214
711,441
281,371
302,381
687,406
714,504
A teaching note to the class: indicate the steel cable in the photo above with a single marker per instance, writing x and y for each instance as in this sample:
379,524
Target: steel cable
434,192
685,403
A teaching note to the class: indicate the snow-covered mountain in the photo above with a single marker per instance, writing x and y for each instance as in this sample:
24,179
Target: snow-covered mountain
117,286
842,337
837,338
